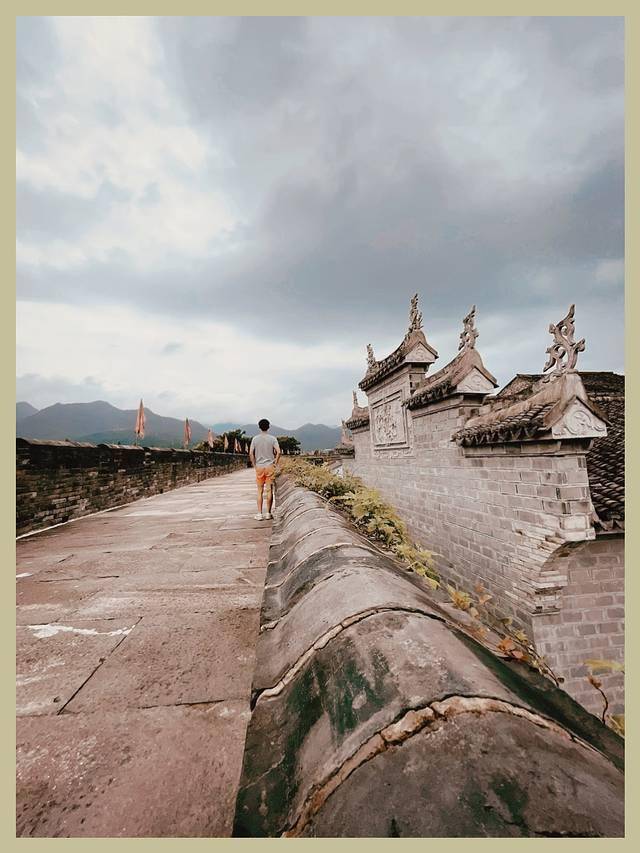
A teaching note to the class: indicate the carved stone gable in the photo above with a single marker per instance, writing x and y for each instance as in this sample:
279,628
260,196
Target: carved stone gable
579,422
419,353
475,382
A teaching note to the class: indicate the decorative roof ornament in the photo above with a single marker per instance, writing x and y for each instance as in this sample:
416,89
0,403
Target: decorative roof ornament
346,440
355,399
371,359
415,316
469,332
563,347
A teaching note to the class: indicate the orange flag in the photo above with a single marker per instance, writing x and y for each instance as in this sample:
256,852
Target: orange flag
210,438
226,443
187,433
140,422
236,447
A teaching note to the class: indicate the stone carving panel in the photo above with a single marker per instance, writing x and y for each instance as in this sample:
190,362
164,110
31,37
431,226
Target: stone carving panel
579,422
389,422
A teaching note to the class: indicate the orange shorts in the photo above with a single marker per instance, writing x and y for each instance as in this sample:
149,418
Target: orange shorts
265,475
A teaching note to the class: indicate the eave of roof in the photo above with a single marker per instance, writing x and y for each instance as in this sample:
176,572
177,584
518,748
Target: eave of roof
524,417
359,422
444,381
396,359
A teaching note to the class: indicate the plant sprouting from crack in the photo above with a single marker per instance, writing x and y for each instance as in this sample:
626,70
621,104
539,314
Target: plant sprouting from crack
614,721
368,511
381,523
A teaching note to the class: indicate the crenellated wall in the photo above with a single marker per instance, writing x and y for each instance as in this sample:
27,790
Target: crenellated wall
58,480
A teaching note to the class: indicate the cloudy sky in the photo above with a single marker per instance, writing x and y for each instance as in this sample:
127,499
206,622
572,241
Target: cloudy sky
218,214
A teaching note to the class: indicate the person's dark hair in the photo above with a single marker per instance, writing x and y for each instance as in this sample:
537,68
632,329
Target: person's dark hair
264,424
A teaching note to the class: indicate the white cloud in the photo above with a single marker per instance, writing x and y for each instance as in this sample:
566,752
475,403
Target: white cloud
219,373
610,271
194,165
113,121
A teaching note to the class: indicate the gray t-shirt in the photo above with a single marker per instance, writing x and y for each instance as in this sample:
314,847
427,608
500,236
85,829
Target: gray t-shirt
263,446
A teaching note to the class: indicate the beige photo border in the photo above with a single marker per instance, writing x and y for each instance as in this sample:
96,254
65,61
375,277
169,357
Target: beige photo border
632,354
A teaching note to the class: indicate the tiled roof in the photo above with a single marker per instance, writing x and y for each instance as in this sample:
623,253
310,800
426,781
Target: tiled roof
391,362
605,459
422,396
516,427
444,381
596,382
358,422
605,465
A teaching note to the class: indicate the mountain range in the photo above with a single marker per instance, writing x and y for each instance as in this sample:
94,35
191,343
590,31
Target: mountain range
100,422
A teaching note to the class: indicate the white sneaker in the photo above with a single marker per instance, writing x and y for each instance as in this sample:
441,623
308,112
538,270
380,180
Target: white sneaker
267,515
259,517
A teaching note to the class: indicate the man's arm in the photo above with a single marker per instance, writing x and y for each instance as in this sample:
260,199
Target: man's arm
277,452
252,455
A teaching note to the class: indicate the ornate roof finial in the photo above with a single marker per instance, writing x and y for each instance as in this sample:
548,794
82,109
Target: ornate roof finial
415,316
355,399
563,347
469,332
346,439
371,359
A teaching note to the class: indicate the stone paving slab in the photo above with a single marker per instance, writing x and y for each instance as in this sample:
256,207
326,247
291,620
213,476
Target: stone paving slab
94,562
189,599
139,733
224,565
196,658
54,661
161,772
227,538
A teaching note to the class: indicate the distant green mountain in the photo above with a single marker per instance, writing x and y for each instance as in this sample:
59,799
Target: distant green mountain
100,422
23,410
310,436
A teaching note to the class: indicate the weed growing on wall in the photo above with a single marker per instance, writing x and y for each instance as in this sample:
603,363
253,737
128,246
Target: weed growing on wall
514,643
369,512
614,721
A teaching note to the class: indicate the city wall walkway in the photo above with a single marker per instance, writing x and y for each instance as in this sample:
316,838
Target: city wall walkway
135,654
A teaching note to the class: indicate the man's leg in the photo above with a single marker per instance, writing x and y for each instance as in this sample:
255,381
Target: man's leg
260,492
269,496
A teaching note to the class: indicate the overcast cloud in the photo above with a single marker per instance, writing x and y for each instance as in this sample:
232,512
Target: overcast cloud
218,214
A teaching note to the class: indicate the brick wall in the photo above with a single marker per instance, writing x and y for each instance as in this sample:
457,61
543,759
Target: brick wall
495,517
590,622
58,481
502,515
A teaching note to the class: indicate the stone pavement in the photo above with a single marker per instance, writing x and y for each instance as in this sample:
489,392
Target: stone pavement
136,634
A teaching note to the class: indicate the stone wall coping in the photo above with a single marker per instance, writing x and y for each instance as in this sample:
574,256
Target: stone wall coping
62,445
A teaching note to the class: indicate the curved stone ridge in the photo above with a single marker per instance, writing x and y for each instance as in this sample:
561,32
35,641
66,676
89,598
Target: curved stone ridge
372,716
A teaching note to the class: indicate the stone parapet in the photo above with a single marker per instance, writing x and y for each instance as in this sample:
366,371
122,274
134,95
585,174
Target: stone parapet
57,481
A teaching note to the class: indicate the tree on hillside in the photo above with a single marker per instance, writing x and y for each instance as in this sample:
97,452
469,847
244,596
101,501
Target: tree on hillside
289,444
234,434
204,445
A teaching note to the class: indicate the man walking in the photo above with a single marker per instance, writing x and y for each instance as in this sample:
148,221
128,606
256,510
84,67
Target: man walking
264,454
